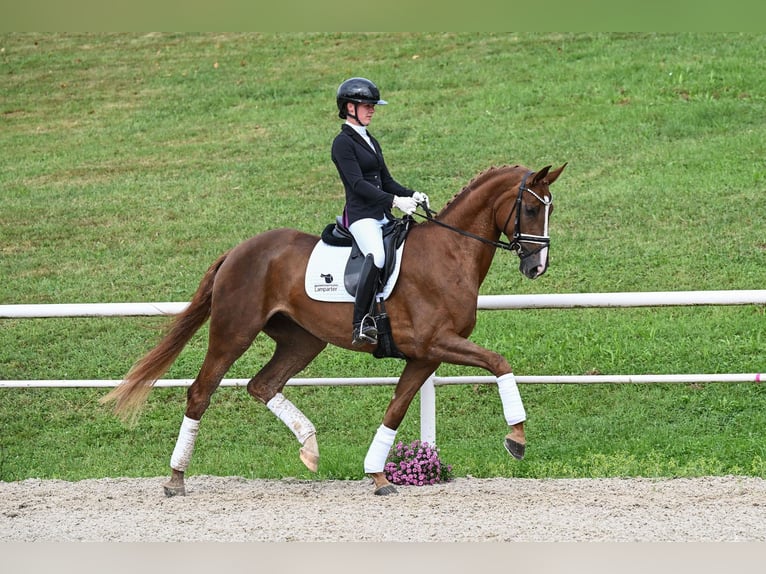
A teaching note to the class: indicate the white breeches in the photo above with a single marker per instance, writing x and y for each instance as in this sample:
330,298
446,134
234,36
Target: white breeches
368,234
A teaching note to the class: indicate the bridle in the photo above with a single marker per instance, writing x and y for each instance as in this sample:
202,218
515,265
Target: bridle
518,237
515,244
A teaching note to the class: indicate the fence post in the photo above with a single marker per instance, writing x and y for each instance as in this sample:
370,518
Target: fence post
428,411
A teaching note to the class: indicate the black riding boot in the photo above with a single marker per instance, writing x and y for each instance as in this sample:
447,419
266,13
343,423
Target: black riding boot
365,330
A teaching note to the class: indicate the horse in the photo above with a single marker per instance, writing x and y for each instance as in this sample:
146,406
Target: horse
258,286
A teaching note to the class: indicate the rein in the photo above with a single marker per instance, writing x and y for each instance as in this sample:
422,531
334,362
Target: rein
518,237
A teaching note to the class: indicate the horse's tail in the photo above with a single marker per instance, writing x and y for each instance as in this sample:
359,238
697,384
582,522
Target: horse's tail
130,395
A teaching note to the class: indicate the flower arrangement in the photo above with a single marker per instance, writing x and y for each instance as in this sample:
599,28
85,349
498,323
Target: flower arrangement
416,464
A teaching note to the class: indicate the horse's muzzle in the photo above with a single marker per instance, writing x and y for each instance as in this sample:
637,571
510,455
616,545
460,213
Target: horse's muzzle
533,266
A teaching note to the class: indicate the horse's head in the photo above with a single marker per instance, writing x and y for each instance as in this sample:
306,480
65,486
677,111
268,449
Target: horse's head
526,224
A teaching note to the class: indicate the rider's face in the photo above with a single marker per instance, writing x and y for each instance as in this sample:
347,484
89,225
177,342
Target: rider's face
364,113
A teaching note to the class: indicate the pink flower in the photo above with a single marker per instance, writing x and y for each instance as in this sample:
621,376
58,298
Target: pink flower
416,464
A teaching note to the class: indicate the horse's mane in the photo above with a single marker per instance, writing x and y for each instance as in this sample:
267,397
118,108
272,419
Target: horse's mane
477,181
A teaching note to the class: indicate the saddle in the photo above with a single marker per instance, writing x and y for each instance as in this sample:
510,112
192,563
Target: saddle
394,233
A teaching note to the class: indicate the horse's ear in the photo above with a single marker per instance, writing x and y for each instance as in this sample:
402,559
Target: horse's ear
540,175
546,175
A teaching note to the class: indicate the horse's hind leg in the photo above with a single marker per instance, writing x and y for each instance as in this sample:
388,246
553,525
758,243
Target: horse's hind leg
295,349
228,340
197,401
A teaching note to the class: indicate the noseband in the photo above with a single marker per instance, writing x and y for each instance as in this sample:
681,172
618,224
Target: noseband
518,237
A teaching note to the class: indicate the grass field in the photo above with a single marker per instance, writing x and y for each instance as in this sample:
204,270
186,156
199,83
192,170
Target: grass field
130,161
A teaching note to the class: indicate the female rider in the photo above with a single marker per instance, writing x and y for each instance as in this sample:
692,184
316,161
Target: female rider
371,192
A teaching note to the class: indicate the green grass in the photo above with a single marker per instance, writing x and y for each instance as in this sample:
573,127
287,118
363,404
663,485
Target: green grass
130,161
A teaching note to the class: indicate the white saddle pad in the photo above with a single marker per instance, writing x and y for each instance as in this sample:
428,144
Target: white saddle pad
324,273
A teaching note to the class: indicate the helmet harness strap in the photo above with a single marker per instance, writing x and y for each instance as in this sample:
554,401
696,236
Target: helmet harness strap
355,115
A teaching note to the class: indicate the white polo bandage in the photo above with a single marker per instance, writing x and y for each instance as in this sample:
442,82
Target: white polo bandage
289,414
513,408
184,445
375,461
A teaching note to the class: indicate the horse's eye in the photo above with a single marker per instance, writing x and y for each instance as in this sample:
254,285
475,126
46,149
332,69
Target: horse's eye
531,210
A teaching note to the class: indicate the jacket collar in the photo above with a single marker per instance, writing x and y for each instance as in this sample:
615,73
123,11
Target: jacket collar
359,139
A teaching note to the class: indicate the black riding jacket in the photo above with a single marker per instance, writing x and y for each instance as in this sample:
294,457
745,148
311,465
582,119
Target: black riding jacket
368,183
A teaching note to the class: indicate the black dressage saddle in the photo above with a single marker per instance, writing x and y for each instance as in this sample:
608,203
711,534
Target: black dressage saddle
394,234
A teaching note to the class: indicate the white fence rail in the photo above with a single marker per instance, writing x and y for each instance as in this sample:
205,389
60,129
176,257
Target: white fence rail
427,393
485,302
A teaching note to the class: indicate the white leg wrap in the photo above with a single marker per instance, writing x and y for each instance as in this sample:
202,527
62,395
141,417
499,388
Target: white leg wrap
289,414
184,445
375,461
513,408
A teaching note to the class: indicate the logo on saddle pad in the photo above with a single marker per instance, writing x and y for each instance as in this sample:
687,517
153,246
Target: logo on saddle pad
325,274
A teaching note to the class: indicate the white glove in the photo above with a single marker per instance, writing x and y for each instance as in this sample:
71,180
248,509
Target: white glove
406,204
422,199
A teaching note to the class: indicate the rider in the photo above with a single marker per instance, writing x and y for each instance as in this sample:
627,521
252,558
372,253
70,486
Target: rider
371,192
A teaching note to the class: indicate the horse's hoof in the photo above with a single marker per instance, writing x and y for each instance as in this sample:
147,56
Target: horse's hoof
309,453
385,490
171,490
310,459
515,449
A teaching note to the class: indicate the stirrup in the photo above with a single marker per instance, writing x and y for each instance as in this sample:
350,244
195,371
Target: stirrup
365,332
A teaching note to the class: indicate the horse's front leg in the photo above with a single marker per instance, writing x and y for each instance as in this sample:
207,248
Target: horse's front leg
456,350
412,378
515,415
175,486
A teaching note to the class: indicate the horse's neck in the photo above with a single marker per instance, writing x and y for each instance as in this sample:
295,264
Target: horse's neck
473,211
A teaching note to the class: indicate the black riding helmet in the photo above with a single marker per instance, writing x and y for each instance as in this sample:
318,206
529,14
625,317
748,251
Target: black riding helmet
357,90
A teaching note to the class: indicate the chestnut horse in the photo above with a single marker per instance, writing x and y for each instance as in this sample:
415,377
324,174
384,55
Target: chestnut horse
259,286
